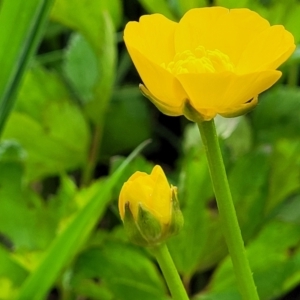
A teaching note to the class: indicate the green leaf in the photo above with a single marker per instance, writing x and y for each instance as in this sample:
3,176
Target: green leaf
127,104
67,244
285,173
274,260
292,23
240,146
48,125
94,22
290,210
185,5
123,269
158,6
106,53
11,269
232,3
248,181
73,14
17,44
21,210
277,115
81,73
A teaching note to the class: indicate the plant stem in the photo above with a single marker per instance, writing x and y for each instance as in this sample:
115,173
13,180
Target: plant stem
227,212
169,271
88,172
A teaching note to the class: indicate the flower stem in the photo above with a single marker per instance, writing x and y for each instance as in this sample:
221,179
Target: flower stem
227,212
169,271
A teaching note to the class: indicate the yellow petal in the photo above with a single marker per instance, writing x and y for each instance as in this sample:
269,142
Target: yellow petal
165,108
161,196
150,42
152,36
161,83
134,192
219,28
136,175
213,93
241,109
267,50
206,90
243,88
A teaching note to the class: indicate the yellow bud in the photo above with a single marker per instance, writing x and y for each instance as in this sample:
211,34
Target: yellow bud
148,207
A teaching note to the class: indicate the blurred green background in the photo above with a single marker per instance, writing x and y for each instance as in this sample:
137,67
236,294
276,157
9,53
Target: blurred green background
70,113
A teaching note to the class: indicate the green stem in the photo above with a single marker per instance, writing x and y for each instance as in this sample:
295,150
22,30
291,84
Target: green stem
227,212
88,172
169,271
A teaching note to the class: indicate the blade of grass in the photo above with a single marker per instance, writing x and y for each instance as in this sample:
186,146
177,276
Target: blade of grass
66,244
21,25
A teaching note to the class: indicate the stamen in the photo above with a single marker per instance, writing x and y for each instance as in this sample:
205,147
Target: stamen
199,61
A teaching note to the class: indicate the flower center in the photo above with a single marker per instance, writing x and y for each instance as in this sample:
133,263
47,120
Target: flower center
199,61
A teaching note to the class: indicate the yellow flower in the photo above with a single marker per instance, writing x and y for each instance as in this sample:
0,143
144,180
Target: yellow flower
214,61
149,207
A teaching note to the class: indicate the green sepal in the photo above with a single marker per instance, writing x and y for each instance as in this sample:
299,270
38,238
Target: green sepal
177,217
192,114
131,228
149,226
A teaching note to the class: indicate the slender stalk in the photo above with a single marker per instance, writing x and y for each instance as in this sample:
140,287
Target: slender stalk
88,171
170,272
227,212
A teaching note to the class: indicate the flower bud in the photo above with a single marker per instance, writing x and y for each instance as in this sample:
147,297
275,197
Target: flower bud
149,208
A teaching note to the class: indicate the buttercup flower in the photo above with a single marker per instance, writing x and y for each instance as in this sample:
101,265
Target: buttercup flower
214,61
149,207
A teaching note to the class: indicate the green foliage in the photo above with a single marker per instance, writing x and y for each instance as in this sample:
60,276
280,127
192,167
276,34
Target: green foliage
81,73
44,115
77,106
22,211
21,41
126,103
158,6
93,202
119,265
94,20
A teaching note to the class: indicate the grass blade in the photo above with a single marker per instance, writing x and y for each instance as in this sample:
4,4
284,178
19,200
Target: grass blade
17,44
66,244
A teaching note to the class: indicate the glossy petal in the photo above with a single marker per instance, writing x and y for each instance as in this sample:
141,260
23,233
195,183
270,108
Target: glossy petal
152,191
132,193
268,50
161,83
161,191
164,107
214,61
149,46
206,91
153,36
245,87
211,94
229,31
